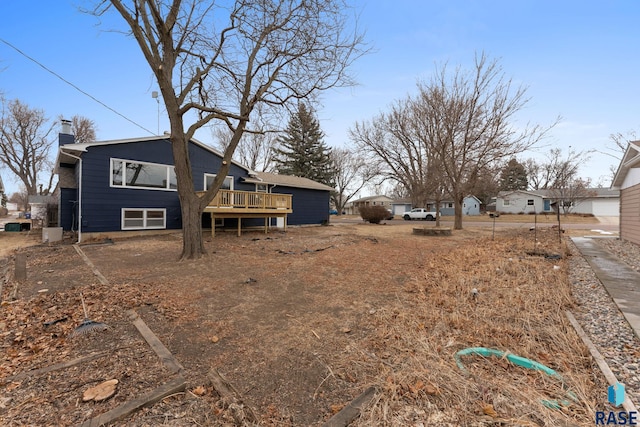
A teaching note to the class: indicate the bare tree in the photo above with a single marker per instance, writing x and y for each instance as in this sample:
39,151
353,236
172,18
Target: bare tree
467,117
352,172
83,129
25,145
401,157
20,198
219,61
254,149
557,170
570,194
561,178
620,143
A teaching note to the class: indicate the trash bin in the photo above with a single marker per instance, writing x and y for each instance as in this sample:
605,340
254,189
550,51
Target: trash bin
12,226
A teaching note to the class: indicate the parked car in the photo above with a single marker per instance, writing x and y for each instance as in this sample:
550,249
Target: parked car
390,215
333,212
419,213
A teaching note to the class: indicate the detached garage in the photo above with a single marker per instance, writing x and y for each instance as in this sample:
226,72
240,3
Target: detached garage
627,180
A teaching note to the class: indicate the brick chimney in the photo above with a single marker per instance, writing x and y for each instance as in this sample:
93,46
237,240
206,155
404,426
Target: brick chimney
65,136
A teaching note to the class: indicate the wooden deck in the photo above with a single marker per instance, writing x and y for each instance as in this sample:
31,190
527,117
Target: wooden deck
248,204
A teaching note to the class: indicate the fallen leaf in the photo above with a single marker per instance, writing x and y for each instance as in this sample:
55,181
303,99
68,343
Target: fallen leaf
336,408
430,389
12,386
488,410
100,392
199,391
215,339
415,388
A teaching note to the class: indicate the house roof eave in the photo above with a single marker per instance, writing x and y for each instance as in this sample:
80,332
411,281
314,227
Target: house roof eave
630,159
83,147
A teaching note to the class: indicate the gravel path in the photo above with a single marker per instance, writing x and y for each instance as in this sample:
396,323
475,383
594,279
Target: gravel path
602,320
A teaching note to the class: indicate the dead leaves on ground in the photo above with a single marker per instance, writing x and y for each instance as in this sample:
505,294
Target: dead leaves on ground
100,392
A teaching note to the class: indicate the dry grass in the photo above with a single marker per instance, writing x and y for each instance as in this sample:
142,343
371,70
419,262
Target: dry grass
519,309
333,310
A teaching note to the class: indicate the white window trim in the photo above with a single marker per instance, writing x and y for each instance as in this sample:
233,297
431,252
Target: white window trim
506,202
124,178
266,188
213,175
144,219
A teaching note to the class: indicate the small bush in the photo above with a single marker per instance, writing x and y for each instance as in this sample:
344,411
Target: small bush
374,214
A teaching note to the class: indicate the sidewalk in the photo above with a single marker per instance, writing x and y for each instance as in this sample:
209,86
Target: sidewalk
620,281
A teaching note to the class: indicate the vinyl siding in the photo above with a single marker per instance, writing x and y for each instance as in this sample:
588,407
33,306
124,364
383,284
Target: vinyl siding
630,214
309,206
67,208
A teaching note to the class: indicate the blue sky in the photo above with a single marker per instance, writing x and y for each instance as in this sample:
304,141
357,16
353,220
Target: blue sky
578,59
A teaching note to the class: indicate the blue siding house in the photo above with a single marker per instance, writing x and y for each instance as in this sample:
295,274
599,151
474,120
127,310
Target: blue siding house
130,184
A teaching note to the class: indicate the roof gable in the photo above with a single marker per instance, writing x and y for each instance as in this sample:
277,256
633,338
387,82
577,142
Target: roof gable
631,159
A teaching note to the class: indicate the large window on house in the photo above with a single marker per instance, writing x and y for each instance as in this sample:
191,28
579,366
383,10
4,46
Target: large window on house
226,185
144,219
133,174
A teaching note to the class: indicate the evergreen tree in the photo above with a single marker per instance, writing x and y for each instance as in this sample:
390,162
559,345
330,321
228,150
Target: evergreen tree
513,177
301,150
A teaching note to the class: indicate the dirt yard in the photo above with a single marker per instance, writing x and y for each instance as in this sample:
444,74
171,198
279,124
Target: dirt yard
299,324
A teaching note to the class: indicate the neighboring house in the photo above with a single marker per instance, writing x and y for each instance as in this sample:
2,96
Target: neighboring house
400,206
470,206
520,201
352,208
599,202
627,181
131,184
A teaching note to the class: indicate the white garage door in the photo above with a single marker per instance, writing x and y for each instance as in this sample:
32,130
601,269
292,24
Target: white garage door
606,207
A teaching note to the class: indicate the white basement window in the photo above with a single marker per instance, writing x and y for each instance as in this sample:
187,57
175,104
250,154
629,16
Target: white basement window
144,219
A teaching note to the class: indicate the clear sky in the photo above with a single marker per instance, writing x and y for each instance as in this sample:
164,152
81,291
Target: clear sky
578,59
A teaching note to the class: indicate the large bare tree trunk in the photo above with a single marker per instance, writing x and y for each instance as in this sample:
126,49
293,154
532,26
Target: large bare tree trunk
190,204
192,243
457,219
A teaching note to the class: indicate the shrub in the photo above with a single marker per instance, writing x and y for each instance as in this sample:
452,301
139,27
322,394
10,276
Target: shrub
374,214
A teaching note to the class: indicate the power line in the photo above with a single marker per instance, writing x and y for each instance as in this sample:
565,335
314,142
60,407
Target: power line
73,85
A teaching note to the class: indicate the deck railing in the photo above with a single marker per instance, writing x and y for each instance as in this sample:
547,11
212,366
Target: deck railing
249,200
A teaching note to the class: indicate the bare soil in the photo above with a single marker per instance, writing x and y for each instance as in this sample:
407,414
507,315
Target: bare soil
301,323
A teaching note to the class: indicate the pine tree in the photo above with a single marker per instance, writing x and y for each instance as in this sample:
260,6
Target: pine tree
301,150
513,177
